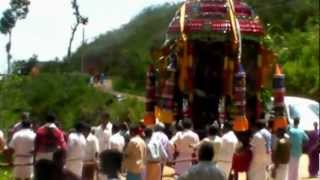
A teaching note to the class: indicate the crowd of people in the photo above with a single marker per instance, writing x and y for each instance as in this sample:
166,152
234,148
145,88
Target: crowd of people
121,151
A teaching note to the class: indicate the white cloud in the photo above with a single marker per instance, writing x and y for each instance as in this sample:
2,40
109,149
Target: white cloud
46,30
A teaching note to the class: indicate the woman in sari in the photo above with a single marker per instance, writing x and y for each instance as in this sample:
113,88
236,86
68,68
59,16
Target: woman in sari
313,151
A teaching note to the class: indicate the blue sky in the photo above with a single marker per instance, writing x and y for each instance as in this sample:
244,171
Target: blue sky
46,30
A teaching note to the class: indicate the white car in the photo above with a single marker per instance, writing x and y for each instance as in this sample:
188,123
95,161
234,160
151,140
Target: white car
307,110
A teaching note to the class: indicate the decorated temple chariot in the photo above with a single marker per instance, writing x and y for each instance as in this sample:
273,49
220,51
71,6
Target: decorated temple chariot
213,67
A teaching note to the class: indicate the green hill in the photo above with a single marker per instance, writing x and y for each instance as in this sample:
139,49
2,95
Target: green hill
125,51
292,32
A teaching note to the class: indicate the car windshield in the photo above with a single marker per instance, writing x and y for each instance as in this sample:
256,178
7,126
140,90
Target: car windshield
314,108
294,111
299,110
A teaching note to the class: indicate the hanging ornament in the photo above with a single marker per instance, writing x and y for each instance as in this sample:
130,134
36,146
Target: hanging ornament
240,122
166,111
149,118
280,120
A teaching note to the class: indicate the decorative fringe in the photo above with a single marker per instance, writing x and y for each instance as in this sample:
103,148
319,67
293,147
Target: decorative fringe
149,119
280,122
165,115
240,123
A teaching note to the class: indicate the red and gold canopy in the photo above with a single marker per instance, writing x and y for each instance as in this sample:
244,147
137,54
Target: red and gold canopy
209,19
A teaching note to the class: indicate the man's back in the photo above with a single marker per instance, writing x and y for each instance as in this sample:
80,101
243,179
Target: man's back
228,146
135,155
297,138
92,147
76,146
49,138
117,142
23,144
217,142
204,171
103,136
186,139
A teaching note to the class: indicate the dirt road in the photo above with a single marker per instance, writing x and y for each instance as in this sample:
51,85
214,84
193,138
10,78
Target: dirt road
303,170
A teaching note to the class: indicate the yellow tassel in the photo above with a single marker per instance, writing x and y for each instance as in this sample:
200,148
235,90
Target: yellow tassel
166,116
225,63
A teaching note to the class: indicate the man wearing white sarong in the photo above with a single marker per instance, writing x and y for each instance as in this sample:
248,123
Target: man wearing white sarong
91,155
228,147
22,144
184,144
104,132
261,153
76,150
117,141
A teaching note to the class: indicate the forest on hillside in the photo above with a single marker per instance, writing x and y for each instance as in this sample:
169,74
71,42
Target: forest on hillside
292,32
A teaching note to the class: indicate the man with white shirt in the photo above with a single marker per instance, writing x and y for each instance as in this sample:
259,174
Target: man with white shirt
104,132
22,144
214,138
91,156
228,147
184,144
160,136
261,147
76,150
117,141
157,153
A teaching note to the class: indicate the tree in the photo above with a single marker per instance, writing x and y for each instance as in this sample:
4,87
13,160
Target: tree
79,20
24,67
18,10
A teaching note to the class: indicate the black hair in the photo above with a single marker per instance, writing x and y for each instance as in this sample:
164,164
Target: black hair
111,161
124,126
51,118
187,124
281,132
87,127
115,127
148,132
134,129
227,125
296,121
206,151
159,127
260,125
80,126
26,124
178,126
213,130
